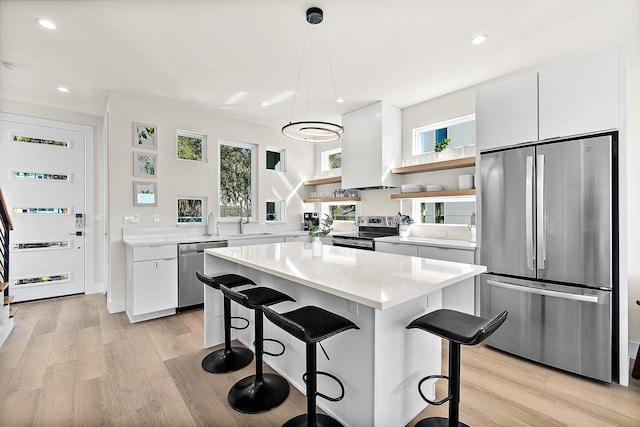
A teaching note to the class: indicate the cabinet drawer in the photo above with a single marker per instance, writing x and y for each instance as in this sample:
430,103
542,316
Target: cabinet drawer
397,248
145,253
446,254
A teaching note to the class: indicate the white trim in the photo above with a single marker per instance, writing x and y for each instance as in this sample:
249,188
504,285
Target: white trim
87,131
435,126
203,145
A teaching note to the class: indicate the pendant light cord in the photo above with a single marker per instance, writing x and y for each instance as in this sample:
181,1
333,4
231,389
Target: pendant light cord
295,94
333,80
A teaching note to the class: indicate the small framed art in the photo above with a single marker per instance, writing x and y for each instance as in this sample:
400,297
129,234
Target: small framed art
145,164
145,194
144,136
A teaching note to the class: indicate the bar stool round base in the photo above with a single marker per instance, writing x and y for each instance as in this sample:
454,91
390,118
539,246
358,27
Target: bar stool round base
223,361
437,422
321,421
253,397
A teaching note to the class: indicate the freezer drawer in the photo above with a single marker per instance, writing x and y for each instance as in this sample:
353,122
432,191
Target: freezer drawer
561,326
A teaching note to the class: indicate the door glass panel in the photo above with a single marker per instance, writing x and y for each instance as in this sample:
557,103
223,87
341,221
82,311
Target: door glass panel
41,176
18,138
40,245
36,211
41,279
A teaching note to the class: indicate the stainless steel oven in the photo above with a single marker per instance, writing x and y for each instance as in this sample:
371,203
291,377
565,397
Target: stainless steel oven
369,228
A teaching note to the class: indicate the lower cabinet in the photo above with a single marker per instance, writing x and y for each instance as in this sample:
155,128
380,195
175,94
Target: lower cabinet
459,296
151,281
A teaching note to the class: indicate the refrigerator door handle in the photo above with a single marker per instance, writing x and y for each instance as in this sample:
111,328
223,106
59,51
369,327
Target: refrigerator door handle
528,212
542,240
544,292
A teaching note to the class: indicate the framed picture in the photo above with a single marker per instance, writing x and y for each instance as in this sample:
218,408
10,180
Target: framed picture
145,194
145,164
144,136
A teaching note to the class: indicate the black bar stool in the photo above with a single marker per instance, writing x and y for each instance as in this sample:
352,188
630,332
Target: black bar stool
260,392
312,325
459,329
227,359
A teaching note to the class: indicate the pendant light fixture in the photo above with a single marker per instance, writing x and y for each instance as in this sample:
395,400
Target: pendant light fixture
312,130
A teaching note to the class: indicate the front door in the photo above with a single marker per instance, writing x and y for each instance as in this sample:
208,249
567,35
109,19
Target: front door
42,175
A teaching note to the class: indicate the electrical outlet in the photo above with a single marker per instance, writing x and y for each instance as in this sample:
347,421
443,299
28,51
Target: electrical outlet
99,218
131,219
193,231
156,217
442,234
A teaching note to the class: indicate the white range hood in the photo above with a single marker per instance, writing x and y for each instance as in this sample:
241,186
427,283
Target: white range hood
371,146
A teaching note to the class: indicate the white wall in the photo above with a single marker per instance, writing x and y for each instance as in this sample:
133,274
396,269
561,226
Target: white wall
185,178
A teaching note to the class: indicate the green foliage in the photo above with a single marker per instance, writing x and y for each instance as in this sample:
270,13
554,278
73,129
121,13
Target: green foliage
190,148
442,145
235,181
323,229
335,160
189,210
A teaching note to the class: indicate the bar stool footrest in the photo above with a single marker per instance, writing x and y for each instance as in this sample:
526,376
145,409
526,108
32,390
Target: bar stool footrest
321,421
239,328
430,377
324,396
275,341
437,422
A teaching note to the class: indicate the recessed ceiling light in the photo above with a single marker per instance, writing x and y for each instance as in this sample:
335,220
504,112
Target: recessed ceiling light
264,103
8,65
63,89
46,24
339,100
480,38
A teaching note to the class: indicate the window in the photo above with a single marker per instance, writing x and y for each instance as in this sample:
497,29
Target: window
191,146
332,159
342,212
41,176
18,138
237,179
460,132
444,211
191,210
275,211
275,160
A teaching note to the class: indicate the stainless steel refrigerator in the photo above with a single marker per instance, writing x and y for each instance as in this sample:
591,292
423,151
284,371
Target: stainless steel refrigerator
549,240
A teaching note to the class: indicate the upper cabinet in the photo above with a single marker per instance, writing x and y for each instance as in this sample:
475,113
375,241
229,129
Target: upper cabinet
507,113
571,98
371,146
579,96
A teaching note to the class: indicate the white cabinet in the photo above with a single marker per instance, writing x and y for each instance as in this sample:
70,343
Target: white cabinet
397,248
459,296
572,98
579,96
151,281
507,113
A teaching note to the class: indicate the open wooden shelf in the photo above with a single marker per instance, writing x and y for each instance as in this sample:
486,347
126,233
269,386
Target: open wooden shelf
320,181
3,286
447,193
12,311
332,199
8,299
436,166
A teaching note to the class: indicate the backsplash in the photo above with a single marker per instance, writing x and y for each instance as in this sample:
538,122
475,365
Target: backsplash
441,231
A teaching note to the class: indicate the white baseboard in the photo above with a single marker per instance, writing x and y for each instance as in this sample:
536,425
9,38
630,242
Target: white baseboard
5,331
115,306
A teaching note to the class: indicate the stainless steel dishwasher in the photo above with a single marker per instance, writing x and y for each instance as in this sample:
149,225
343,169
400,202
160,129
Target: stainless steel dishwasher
190,260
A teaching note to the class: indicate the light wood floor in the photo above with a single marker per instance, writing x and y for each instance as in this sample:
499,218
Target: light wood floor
68,362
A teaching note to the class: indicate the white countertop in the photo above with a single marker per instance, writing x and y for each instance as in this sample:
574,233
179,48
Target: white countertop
375,279
421,241
172,240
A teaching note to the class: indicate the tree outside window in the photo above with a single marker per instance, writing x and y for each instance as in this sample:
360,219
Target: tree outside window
236,180
191,146
190,210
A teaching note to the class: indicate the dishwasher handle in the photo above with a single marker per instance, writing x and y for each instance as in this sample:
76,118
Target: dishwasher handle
544,292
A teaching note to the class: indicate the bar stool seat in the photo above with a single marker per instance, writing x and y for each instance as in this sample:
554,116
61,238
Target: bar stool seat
459,329
312,325
260,392
227,359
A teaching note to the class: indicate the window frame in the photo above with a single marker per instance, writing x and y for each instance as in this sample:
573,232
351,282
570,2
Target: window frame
254,179
203,146
415,133
283,158
324,162
283,214
415,207
326,210
203,207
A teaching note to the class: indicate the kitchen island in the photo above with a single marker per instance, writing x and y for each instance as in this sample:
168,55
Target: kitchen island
380,364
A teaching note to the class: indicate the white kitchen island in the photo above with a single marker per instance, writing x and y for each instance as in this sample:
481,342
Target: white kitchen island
380,364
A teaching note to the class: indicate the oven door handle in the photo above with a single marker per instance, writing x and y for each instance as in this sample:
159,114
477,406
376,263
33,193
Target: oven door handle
544,292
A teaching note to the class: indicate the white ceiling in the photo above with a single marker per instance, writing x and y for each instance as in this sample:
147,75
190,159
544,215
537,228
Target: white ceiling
226,56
